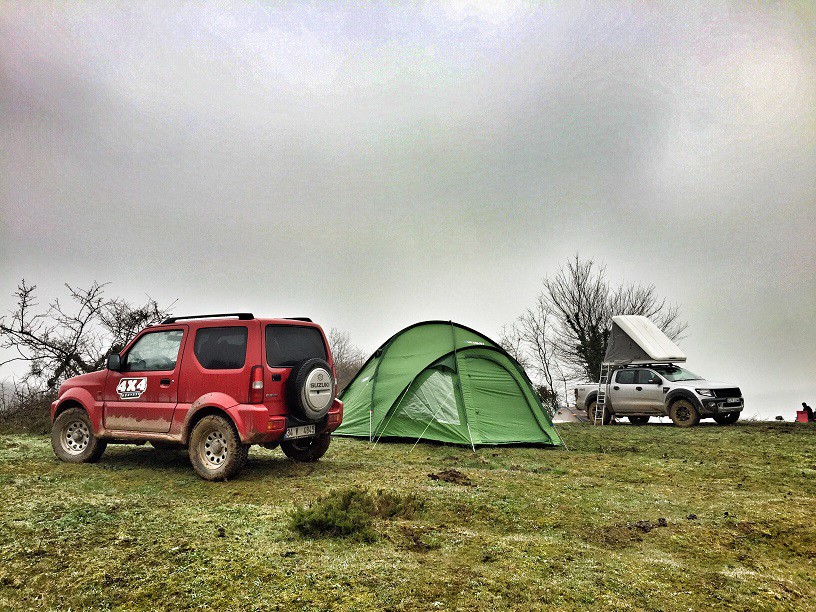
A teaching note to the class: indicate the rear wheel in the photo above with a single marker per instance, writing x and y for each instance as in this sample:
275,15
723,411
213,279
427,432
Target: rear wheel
728,418
306,450
216,451
607,415
73,439
684,414
638,420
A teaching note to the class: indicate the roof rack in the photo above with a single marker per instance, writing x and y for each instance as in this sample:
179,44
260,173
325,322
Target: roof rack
306,319
243,316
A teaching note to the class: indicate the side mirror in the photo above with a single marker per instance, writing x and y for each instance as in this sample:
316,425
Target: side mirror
656,381
114,362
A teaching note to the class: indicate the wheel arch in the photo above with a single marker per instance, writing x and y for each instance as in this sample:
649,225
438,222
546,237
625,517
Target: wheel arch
201,413
77,397
67,405
678,394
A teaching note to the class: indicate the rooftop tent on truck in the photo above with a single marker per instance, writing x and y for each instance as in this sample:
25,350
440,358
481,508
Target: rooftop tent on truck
634,340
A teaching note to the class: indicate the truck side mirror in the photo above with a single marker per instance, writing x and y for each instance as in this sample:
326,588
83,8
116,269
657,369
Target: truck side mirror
114,362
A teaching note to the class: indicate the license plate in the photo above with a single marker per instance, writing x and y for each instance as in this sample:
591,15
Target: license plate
732,400
304,431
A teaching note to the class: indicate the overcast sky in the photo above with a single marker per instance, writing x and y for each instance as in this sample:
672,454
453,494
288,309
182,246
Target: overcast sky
373,166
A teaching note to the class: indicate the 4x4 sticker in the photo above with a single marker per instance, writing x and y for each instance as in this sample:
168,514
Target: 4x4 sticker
131,388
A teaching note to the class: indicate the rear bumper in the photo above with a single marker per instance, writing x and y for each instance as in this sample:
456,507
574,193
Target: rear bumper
257,426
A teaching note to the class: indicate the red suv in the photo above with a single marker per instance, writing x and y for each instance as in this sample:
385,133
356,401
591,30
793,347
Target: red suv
215,383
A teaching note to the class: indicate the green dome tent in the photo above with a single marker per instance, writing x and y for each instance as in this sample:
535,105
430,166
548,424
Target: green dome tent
439,380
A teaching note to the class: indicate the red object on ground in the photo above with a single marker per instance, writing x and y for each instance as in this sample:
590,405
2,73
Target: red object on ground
801,416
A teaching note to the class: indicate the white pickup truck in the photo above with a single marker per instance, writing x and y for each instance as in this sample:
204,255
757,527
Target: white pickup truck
646,390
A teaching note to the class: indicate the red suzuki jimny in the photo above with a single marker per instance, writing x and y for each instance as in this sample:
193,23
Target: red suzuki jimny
215,383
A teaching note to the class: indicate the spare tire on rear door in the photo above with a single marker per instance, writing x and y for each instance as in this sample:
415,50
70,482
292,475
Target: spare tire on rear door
311,389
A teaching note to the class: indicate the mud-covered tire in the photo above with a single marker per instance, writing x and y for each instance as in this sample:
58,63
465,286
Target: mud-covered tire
607,416
311,389
729,418
216,451
684,414
638,420
73,438
306,450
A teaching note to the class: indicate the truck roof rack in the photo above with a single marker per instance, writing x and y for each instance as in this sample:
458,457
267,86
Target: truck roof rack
243,316
306,319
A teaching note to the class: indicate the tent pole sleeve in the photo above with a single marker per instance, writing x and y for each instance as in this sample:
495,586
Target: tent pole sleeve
459,383
473,446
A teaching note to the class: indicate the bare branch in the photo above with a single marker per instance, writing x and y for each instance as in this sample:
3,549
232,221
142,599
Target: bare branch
564,335
348,359
65,341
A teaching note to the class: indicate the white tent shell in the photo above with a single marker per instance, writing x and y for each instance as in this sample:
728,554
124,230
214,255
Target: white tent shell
634,339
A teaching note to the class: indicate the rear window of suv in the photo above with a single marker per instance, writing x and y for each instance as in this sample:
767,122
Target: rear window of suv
288,344
221,348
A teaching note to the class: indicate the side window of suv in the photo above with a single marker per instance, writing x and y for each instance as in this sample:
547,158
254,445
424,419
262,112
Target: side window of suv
647,377
221,348
626,377
155,351
288,344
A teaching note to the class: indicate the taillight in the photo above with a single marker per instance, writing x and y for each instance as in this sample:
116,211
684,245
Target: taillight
256,386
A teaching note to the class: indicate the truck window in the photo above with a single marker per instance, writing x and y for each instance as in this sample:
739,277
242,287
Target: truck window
155,351
626,377
221,348
288,344
647,377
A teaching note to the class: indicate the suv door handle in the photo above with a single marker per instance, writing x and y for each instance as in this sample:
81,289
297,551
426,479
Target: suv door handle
639,388
165,382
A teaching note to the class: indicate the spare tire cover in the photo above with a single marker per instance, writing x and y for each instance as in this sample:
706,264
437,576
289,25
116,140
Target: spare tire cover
311,389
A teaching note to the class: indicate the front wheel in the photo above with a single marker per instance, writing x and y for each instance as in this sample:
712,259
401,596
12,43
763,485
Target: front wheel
306,450
216,451
73,439
728,418
638,420
684,414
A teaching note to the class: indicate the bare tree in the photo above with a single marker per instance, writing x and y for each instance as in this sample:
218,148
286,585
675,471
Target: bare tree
529,340
61,341
348,359
564,335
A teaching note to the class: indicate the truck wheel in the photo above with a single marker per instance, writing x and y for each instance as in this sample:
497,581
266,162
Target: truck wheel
311,389
607,416
73,439
638,420
728,418
216,451
306,450
684,414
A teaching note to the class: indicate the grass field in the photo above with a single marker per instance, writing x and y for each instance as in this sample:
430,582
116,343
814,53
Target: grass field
533,528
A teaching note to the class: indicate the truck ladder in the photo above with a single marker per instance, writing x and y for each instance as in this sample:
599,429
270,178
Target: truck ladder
600,401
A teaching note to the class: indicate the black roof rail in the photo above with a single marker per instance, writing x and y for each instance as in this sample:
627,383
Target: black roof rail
306,319
243,316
